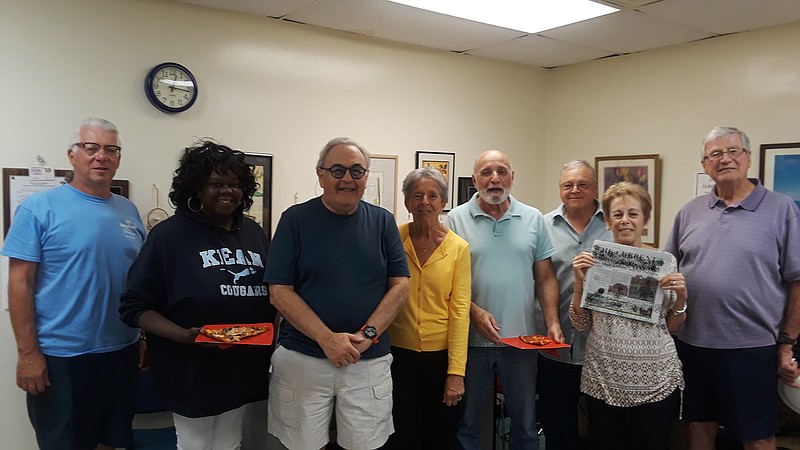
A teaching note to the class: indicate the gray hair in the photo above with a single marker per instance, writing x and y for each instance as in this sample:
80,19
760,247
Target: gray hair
579,164
336,141
429,173
719,132
94,122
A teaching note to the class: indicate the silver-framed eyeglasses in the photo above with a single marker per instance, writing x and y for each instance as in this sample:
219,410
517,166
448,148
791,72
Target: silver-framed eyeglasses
91,149
733,152
337,171
570,186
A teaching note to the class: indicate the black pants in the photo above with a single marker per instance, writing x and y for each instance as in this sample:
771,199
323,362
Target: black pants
421,420
643,427
559,387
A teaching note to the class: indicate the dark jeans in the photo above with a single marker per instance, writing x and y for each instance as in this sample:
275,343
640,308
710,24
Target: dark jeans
90,401
559,387
421,419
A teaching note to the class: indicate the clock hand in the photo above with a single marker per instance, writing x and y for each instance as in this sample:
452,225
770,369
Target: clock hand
173,85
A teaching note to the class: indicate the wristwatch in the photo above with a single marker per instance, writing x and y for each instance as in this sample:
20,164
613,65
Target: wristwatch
371,333
783,338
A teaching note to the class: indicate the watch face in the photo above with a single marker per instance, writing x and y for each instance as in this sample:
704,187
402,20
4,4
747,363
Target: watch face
171,87
370,332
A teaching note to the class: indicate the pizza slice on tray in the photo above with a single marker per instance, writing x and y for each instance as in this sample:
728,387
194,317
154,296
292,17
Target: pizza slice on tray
233,333
535,339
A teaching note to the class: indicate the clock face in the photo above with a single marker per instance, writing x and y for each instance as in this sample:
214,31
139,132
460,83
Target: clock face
171,87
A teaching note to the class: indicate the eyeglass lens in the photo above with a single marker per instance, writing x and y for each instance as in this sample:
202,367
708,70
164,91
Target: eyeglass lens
91,148
570,186
734,152
337,171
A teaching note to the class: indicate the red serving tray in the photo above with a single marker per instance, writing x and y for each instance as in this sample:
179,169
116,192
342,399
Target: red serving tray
259,339
550,348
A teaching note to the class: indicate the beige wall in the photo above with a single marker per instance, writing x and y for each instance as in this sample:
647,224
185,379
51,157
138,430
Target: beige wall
666,101
285,89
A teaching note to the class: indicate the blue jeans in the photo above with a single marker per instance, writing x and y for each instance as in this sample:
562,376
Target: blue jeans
517,371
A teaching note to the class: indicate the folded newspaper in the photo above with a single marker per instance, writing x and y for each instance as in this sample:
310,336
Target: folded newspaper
624,281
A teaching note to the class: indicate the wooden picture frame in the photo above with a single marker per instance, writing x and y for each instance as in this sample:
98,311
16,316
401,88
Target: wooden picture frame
466,188
778,169
444,162
261,211
382,182
644,170
17,186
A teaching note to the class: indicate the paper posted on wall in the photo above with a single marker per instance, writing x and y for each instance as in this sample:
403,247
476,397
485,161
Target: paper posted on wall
624,281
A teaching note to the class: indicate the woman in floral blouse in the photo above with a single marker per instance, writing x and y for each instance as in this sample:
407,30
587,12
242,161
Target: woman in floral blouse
632,375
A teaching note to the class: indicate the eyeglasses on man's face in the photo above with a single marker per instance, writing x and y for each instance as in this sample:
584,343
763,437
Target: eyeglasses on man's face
91,149
733,152
570,186
337,171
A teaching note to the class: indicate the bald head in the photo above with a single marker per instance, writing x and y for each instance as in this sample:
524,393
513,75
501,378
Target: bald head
489,156
493,177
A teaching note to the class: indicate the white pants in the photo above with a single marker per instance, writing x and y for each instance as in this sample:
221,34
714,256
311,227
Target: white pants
222,432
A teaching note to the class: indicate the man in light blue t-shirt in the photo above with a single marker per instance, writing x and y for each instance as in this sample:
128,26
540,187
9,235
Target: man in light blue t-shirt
510,250
69,251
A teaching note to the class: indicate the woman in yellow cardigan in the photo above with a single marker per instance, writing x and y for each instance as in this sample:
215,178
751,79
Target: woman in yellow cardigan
429,336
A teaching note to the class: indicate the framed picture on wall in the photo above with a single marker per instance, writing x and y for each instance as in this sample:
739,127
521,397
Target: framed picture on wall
261,211
444,162
778,169
466,188
18,185
644,170
382,182
703,184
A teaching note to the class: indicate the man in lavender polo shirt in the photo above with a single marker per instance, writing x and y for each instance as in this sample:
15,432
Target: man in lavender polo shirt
739,249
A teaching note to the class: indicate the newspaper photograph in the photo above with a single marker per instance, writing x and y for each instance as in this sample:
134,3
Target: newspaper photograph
624,281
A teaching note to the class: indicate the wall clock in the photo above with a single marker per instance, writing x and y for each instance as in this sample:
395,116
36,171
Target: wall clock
171,87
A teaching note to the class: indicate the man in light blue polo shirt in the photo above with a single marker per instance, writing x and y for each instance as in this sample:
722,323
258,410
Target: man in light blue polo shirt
510,251
573,227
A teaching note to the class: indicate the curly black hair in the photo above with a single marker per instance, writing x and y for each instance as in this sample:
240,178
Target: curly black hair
196,166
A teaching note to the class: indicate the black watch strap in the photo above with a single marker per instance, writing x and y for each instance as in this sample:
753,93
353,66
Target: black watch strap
784,338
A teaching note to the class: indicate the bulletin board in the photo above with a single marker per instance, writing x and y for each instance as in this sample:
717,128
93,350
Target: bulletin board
18,185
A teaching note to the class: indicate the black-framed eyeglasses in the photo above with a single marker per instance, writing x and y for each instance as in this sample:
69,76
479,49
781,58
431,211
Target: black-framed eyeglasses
570,186
91,149
337,171
733,152
221,152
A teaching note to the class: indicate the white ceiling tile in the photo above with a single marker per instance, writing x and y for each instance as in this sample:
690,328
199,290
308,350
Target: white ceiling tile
401,23
540,51
726,16
271,8
630,3
640,25
626,31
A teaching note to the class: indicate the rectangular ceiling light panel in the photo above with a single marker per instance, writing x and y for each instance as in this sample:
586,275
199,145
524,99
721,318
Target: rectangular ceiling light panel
529,16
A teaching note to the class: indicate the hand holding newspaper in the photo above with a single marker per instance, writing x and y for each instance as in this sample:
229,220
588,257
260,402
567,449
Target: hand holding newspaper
624,281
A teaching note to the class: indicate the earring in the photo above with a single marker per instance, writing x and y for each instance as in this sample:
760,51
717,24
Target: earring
189,204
